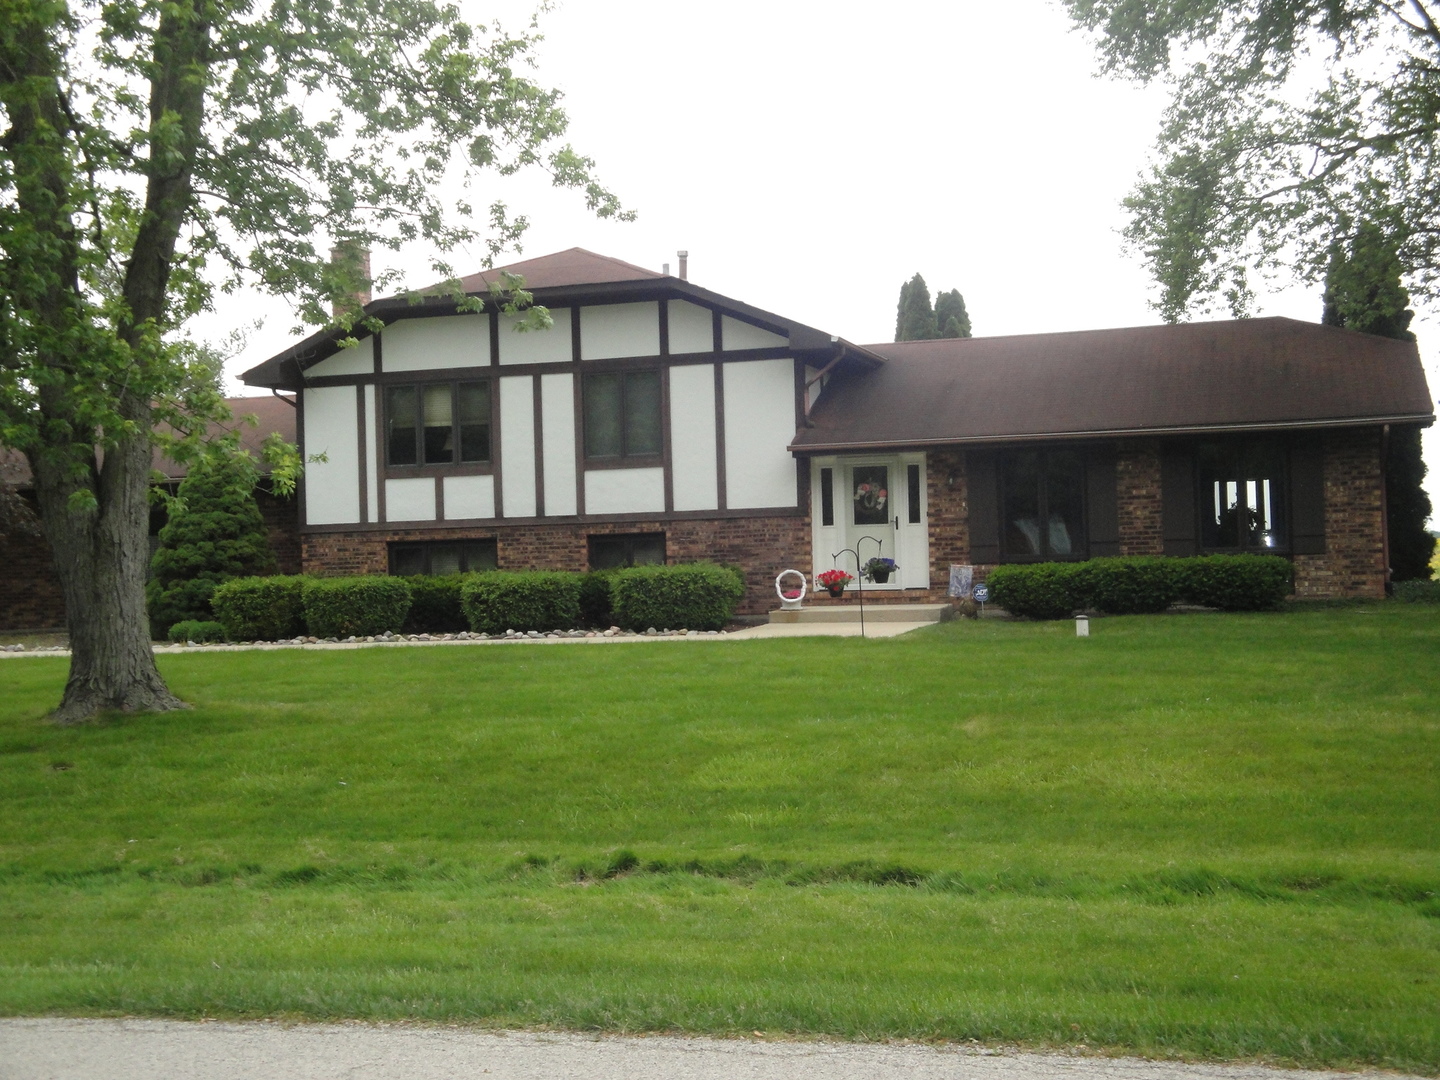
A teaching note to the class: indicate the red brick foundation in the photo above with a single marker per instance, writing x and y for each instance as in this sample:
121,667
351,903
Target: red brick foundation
1354,561
761,546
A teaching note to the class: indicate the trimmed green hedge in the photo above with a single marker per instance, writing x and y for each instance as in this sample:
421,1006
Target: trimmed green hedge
596,610
260,608
532,600
1418,592
358,606
200,631
697,596
1142,584
435,605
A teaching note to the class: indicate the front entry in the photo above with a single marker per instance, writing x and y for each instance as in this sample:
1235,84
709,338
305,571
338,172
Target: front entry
874,506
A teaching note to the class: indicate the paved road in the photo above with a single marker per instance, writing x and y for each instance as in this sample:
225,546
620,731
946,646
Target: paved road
174,1050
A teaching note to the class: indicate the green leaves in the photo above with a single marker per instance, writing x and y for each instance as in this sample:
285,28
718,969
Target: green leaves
1291,122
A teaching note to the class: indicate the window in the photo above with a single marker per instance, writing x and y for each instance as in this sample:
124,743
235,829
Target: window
622,414
1042,505
640,549
827,497
1242,496
443,557
438,424
912,490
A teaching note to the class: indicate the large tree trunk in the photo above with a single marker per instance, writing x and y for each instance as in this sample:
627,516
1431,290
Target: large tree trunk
101,553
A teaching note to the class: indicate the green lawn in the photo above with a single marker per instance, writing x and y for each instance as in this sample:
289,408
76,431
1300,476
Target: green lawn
1187,835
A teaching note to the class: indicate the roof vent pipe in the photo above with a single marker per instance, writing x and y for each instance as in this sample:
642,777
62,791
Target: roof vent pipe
665,269
684,258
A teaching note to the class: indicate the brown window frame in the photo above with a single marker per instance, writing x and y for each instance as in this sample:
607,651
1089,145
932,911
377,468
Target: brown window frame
454,467
1082,550
428,548
623,460
1282,504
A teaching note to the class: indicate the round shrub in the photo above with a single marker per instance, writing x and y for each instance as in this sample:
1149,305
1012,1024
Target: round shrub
1036,590
355,606
199,631
596,609
697,596
1141,585
529,600
435,604
260,608
1236,582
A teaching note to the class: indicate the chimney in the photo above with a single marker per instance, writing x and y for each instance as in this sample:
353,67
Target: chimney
362,295
684,257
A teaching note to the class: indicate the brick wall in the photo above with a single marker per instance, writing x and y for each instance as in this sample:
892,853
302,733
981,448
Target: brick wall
762,546
1354,559
1137,498
948,507
30,597
282,523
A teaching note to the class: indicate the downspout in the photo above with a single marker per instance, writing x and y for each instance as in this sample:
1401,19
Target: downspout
288,400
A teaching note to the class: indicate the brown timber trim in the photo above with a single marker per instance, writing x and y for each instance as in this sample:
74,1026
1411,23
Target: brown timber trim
363,470
665,427
649,461
720,493
379,367
494,339
439,498
715,329
382,451
539,433
413,472
473,374
575,333
304,514
568,519
664,328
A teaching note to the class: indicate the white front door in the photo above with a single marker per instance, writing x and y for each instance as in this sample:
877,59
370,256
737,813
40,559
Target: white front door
874,506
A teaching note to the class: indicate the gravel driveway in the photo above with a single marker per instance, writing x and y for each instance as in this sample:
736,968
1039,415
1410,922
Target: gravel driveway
176,1050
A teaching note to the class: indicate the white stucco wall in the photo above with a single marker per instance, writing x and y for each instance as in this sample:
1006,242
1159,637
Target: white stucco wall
410,500
536,346
624,491
517,446
692,328
469,497
332,487
435,341
375,454
612,330
357,360
759,425
735,335
692,437
557,438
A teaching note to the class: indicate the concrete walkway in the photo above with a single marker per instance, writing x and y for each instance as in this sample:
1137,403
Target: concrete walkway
175,1050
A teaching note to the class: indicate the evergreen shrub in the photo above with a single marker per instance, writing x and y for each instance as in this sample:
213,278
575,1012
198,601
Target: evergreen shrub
197,630
215,534
1236,582
435,604
358,606
696,596
260,608
1142,585
1036,590
596,610
531,600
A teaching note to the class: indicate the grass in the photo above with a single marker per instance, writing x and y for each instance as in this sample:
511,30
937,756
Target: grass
1197,835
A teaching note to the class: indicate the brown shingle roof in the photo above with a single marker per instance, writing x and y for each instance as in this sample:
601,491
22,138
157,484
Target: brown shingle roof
271,413
574,266
1247,373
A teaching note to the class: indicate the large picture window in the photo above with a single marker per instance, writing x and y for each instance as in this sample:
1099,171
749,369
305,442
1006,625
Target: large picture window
622,414
438,424
1042,502
1242,496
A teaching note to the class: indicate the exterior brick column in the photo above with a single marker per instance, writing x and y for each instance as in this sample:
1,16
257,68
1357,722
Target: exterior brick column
948,509
1354,559
1138,499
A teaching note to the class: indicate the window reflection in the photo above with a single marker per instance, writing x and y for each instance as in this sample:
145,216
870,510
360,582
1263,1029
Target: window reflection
1242,496
1043,504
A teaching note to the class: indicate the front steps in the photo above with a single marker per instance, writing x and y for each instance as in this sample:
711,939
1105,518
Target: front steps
874,613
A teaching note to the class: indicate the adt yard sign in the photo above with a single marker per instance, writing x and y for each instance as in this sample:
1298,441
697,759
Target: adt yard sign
982,593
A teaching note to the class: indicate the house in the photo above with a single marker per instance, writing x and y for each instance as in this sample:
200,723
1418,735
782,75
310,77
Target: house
656,420
30,597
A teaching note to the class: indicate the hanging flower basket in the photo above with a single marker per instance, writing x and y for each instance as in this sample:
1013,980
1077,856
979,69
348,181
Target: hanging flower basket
834,582
879,570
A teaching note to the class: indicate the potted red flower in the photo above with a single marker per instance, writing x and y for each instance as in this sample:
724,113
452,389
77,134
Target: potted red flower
834,582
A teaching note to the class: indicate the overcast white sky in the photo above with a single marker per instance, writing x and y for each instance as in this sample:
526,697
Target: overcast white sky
811,156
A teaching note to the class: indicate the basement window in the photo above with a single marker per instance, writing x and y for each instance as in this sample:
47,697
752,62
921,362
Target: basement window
442,557
637,549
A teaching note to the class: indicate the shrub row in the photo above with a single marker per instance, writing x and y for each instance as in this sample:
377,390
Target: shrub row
699,596
1141,585
1418,591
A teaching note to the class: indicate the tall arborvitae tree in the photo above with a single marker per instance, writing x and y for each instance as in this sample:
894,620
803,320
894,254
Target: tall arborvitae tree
215,533
951,317
916,320
1363,292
